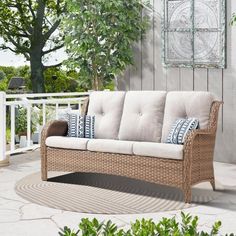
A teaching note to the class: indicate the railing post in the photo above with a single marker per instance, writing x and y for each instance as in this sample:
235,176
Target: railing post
3,158
57,106
44,113
13,120
80,106
28,124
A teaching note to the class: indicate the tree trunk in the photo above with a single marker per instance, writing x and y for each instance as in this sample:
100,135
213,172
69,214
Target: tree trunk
37,77
96,87
97,83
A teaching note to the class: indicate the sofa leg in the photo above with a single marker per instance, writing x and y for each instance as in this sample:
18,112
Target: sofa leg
44,175
213,184
187,194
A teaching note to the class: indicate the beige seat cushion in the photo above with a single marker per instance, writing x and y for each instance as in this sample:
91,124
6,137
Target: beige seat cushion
142,116
109,145
161,150
107,108
184,105
67,142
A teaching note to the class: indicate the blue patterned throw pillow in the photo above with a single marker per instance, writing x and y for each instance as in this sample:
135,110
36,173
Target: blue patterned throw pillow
180,129
79,126
75,125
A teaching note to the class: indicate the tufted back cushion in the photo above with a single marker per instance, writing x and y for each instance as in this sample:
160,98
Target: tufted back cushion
107,108
142,116
186,105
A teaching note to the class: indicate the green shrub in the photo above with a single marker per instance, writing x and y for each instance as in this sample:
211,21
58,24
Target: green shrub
56,79
3,85
21,120
166,227
10,71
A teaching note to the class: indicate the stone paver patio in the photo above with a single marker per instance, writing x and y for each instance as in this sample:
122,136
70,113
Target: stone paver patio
20,217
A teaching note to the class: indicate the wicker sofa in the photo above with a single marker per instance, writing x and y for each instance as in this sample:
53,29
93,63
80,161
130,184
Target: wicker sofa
130,133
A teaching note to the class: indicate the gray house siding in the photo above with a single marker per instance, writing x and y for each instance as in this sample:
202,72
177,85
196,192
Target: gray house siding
149,74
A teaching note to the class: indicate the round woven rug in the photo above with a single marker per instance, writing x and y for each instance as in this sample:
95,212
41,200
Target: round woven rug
105,194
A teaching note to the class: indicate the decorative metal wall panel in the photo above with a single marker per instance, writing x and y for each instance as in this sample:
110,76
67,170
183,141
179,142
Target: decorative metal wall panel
194,33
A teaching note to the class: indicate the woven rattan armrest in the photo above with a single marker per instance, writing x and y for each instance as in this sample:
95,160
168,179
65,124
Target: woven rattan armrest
192,135
198,160
203,136
199,153
53,128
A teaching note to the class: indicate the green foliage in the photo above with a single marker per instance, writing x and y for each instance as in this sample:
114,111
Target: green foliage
2,75
10,71
233,20
110,86
66,81
3,85
57,80
166,227
99,38
8,135
19,19
23,71
21,120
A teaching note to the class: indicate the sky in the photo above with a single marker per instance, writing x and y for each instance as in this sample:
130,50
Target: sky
8,58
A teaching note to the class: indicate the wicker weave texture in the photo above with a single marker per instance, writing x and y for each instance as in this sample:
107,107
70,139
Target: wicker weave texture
138,167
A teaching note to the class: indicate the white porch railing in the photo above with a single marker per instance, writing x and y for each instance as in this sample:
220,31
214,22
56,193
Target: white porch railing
10,103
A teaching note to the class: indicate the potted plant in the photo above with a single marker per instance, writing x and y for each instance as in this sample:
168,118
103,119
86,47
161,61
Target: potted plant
21,122
21,125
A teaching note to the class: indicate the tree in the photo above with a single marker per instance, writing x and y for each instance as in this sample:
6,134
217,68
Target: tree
30,28
100,35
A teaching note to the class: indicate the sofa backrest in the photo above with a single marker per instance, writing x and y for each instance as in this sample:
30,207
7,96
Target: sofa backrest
186,104
107,107
142,116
